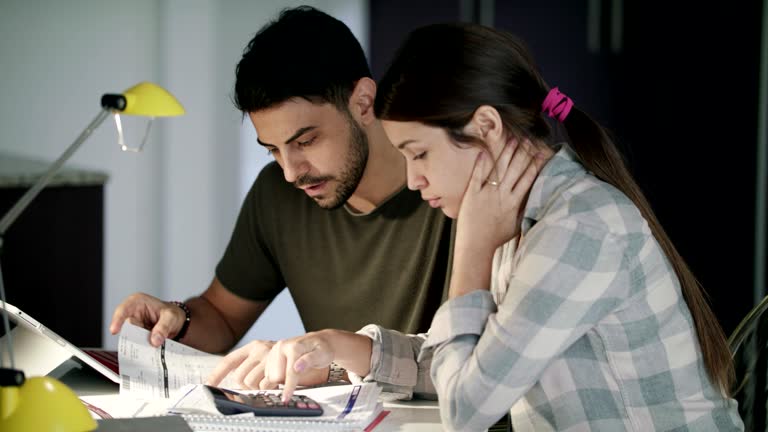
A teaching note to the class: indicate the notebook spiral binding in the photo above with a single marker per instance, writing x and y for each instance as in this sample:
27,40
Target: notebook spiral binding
212,423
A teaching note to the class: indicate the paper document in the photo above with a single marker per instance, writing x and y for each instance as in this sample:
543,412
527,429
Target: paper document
345,408
159,372
168,380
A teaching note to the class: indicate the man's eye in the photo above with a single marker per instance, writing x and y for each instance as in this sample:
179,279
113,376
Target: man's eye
421,155
306,143
271,150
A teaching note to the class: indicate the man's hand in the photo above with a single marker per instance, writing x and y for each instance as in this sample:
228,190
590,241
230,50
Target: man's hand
162,319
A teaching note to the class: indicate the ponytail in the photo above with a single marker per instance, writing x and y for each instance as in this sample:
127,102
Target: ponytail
600,156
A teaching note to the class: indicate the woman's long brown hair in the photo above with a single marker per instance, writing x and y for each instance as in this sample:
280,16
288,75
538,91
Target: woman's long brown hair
443,72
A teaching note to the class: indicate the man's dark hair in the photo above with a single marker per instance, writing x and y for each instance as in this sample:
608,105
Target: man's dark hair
305,53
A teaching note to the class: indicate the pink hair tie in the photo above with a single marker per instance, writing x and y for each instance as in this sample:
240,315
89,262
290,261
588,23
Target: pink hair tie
557,105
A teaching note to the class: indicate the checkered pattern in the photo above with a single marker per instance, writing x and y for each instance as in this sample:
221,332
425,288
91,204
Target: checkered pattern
591,332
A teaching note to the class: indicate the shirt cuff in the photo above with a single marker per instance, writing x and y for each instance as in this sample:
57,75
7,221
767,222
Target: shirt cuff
462,315
373,332
392,358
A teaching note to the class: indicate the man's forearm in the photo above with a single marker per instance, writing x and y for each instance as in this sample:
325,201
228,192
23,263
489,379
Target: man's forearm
208,330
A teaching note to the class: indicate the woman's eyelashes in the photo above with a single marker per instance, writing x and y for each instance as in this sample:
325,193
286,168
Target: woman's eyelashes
421,155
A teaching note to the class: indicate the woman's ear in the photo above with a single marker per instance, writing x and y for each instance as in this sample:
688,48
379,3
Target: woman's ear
361,100
486,124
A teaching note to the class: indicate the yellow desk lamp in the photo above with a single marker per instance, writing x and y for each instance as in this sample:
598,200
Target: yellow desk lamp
43,404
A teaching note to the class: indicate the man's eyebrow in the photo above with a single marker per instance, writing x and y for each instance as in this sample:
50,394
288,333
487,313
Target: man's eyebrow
405,143
300,132
295,135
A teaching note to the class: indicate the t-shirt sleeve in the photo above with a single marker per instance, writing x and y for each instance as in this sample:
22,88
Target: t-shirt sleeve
249,268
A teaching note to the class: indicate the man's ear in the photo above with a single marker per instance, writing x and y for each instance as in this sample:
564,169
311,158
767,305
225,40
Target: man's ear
486,124
361,100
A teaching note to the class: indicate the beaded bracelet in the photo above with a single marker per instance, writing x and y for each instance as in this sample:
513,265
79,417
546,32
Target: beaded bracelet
187,319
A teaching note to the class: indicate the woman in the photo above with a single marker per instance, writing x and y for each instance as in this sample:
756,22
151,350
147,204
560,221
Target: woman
569,306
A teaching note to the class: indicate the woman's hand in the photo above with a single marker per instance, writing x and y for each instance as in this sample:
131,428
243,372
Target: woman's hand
490,212
249,367
245,365
302,360
495,197
305,360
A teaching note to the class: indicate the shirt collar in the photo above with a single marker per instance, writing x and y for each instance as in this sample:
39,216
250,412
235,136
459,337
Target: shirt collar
557,172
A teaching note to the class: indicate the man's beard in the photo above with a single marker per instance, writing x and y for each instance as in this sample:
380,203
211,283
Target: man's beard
354,166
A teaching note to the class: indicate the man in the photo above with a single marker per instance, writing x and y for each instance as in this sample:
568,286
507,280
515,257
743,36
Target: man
341,230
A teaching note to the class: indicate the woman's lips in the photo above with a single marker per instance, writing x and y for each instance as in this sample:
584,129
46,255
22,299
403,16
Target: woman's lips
433,202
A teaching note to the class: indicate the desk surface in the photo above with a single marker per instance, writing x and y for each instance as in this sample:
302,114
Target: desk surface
417,416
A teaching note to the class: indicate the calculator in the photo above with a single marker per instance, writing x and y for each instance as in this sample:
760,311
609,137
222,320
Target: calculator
263,403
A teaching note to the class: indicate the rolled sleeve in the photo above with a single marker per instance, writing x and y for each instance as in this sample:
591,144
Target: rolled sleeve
459,316
394,364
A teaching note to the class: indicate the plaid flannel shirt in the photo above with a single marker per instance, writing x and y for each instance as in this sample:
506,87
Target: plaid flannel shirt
591,331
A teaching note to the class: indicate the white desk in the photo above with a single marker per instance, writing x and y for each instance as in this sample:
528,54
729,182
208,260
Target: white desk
416,416
422,416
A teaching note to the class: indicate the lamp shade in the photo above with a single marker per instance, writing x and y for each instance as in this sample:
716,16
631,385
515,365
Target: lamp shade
43,404
144,99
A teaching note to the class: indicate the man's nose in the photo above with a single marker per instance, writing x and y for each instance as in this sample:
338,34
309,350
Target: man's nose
294,165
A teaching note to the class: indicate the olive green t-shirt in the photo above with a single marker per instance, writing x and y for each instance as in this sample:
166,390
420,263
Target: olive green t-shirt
387,267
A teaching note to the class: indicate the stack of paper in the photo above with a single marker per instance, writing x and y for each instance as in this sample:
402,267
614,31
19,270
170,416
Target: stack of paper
167,380
160,372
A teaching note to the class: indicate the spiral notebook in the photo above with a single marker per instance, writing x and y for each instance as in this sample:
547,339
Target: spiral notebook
345,408
205,424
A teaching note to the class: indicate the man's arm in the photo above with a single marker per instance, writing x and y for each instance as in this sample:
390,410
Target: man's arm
218,318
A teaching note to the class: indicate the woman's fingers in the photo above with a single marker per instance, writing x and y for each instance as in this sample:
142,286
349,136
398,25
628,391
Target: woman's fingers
244,369
306,359
229,363
524,183
517,165
253,378
480,171
501,166
240,363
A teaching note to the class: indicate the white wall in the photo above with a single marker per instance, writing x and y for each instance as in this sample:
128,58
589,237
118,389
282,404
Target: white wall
168,211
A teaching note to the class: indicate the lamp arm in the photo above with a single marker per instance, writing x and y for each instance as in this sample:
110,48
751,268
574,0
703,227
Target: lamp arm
28,196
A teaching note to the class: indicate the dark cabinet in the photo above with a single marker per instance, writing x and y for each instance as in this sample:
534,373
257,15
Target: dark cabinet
52,256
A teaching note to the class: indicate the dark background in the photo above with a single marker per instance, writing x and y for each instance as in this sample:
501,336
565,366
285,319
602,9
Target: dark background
679,92
53,259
